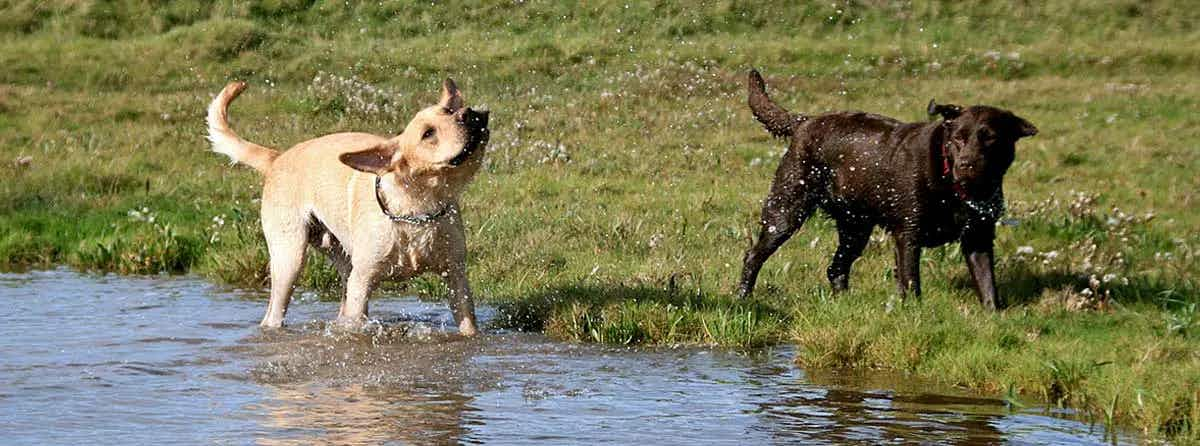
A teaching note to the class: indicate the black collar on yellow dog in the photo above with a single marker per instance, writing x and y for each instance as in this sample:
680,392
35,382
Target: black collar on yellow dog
415,219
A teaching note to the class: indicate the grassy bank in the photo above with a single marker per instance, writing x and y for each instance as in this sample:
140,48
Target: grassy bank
622,182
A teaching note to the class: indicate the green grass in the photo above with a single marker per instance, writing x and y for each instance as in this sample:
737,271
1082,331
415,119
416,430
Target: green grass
622,182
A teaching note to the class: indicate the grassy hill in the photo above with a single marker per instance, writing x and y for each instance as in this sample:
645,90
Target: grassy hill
622,182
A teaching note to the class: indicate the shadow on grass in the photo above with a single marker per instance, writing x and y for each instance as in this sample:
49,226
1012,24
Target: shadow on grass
640,313
1021,285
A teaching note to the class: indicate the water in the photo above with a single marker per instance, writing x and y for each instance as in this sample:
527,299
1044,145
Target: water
119,360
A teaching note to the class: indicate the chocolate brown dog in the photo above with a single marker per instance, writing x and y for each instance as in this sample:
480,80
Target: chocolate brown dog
926,183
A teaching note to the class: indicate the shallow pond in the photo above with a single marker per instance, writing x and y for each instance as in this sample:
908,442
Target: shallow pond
117,360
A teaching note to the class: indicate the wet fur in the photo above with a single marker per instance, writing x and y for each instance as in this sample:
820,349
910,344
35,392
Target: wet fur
322,193
865,170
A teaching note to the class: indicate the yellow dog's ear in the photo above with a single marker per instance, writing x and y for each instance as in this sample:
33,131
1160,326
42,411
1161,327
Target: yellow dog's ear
376,160
452,99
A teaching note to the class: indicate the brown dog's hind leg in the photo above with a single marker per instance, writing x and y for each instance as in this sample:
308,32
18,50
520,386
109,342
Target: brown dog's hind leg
852,239
784,211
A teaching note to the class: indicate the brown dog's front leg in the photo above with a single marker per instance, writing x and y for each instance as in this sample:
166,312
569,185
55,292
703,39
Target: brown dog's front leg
908,264
977,250
980,265
462,304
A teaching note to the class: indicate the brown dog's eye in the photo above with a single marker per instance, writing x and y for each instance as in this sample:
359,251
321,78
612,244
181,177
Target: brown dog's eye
986,136
428,134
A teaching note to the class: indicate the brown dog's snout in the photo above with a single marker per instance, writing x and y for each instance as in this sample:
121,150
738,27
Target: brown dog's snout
968,169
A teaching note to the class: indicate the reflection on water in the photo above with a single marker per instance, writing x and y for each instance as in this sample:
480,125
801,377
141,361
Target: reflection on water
358,414
117,360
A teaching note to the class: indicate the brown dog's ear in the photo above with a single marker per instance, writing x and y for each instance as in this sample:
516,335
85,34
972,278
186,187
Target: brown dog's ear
376,160
947,111
1026,128
452,99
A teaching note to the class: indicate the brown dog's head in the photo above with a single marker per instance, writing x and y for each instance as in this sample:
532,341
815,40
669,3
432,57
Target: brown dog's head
981,142
440,147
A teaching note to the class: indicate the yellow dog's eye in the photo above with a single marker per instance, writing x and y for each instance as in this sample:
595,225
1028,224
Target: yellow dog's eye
428,134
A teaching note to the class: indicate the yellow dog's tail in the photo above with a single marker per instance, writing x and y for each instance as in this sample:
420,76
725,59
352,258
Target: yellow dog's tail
228,143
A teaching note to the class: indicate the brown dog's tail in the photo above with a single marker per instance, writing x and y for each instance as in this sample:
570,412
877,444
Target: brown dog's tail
777,120
228,143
